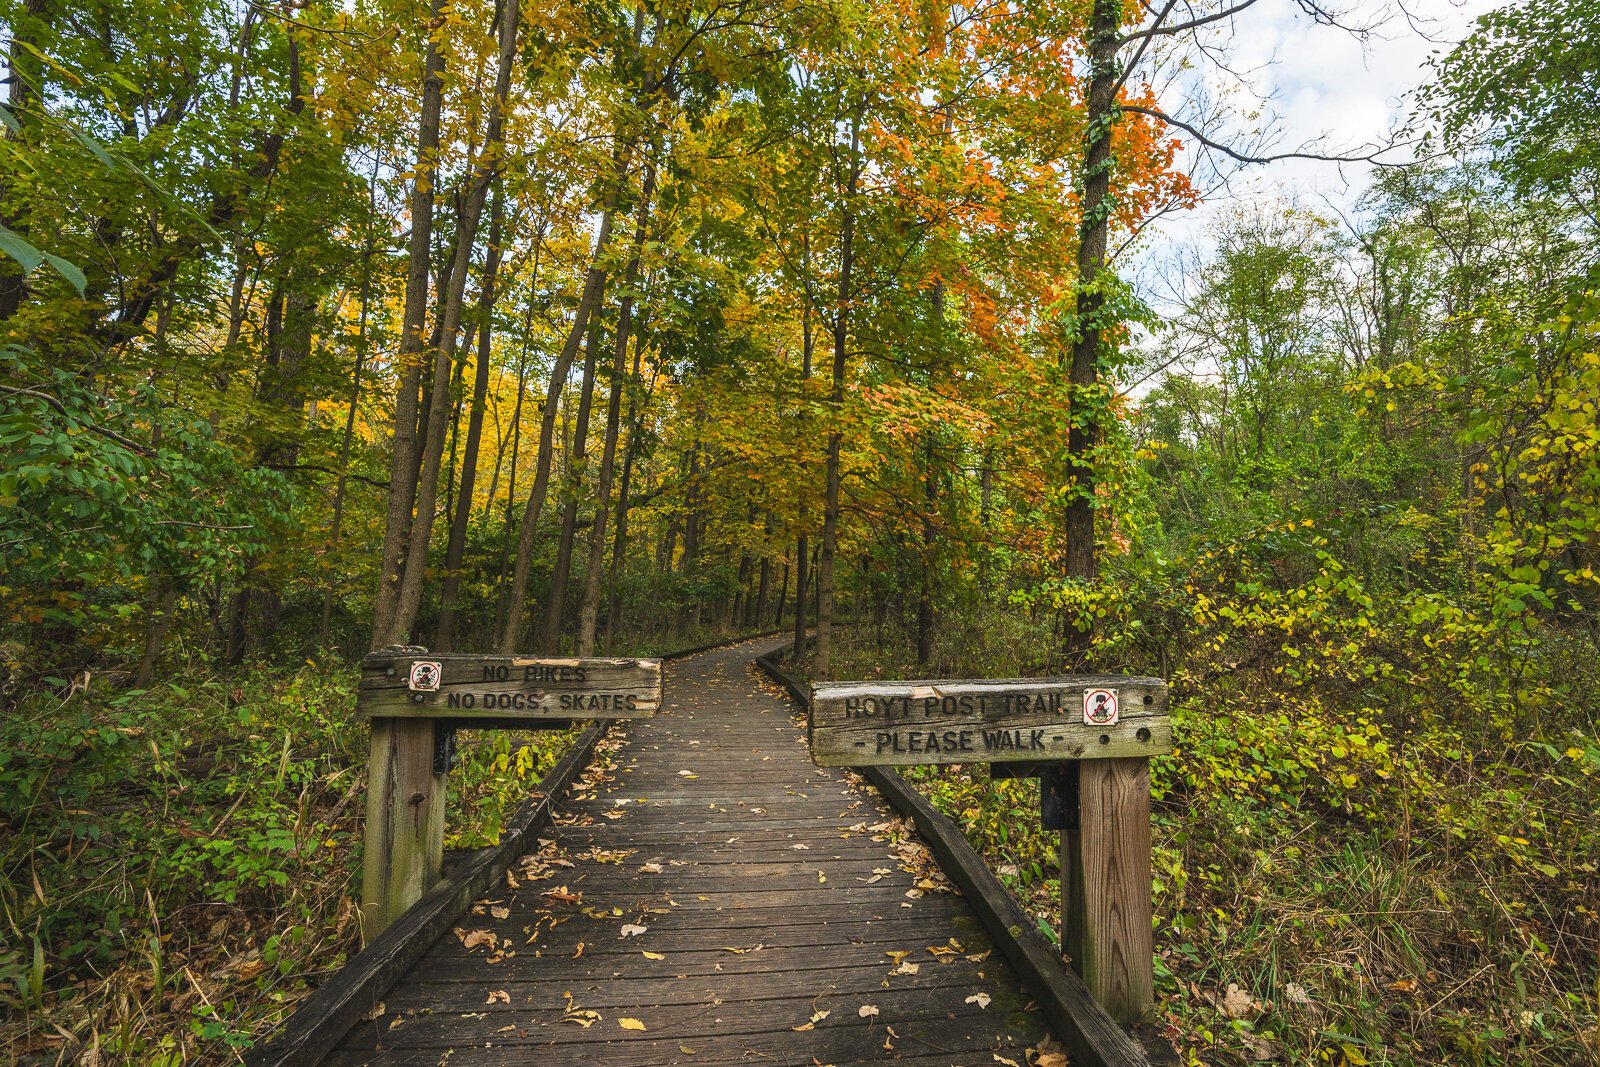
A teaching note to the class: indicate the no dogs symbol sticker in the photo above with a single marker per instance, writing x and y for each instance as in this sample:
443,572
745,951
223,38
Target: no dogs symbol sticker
1100,707
425,677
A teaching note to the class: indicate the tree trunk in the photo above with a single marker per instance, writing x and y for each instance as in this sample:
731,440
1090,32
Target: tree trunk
577,462
1084,373
593,286
445,636
403,460
619,544
588,613
841,334
488,163
802,551
336,529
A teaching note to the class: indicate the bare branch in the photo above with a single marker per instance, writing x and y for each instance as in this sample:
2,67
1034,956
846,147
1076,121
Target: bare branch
1156,29
1243,157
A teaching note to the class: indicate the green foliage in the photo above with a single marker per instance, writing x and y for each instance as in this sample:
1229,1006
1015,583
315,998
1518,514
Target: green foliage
180,860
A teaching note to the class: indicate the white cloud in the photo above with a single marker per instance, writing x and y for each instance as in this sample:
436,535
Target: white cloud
1320,86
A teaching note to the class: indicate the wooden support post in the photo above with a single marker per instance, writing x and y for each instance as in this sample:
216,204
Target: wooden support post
1106,887
405,821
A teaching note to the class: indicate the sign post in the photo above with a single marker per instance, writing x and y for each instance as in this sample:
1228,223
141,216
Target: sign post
416,700
1089,739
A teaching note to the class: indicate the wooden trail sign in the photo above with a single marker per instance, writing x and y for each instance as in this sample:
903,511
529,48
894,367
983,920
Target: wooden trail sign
855,724
464,687
1089,737
417,699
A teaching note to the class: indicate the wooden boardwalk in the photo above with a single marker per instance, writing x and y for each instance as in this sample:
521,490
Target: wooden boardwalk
712,897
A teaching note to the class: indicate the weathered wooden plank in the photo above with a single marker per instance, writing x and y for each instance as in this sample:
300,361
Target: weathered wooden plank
1106,891
404,843
461,686
857,724
1089,1032
906,1010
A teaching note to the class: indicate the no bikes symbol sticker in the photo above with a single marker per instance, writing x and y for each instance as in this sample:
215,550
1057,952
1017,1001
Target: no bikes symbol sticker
1100,707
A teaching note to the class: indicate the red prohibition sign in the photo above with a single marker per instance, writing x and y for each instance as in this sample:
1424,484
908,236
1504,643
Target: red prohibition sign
1100,707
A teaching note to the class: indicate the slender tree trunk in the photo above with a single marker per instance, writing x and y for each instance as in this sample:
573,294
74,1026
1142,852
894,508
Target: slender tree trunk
619,544
783,596
593,286
925,590
456,550
589,611
386,627
511,490
1084,374
802,550
488,164
841,335
337,527
577,464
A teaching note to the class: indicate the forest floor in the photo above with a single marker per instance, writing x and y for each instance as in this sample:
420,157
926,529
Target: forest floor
178,866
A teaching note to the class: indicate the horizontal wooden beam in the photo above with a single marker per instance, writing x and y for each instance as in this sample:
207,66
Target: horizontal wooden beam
863,724
469,687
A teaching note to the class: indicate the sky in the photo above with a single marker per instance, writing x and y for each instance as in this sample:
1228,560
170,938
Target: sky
1318,83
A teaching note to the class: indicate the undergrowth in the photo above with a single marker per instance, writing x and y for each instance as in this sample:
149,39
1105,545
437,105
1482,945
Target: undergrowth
1337,883
181,864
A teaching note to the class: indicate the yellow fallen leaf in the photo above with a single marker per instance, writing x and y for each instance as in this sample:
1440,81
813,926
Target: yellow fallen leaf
654,956
630,1024
804,1026
867,1011
498,996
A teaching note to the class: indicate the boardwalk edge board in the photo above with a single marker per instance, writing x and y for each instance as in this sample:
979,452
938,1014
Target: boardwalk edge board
325,1015
1090,1034
447,685
861,724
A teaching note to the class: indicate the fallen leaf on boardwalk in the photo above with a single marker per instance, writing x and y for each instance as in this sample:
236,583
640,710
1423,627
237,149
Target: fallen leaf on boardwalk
578,953
818,1016
800,847
804,1026
498,996
376,1011
821,878
473,938
914,894
1002,1060
687,774
686,1050
560,893
612,814
654,956
1050,1054
650,868
979,957
500,913
582,1016
867,1011
742,951
907,968
630,1024
980,999
897,957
